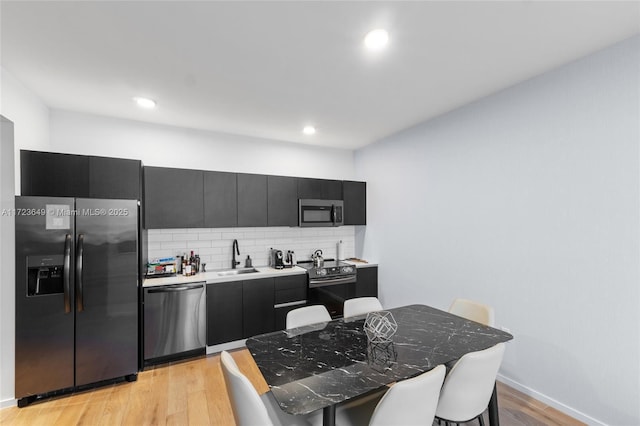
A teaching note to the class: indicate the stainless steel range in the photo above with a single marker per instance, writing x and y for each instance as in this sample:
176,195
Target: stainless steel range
330,284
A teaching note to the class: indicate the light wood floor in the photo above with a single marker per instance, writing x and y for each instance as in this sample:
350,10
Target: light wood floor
193,393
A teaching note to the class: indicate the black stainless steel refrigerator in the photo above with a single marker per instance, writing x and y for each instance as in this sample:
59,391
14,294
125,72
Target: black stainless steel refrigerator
76,293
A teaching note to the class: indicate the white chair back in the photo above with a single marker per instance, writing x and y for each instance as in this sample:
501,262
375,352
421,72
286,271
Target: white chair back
307,315
361,306
410,402
468,387
248,408
473,311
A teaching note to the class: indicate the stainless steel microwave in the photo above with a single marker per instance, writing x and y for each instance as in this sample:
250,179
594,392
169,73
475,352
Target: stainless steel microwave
320,212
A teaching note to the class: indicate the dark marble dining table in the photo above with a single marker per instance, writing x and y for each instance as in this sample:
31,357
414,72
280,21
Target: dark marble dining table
318,366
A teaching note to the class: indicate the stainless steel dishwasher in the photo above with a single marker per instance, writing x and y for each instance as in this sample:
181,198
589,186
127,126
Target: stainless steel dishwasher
174,320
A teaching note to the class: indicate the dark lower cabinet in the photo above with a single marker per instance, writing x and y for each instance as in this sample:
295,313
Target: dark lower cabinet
252,200
290,293
355,202
282,201
367,282
173,198
241,309
257,306
224,312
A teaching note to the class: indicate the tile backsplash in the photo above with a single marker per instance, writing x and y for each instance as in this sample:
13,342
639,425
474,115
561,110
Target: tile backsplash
214,244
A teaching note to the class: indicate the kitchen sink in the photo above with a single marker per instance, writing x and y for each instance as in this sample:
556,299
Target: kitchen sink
238,271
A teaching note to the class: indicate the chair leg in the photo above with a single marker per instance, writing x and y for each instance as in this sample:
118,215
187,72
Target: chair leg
481,420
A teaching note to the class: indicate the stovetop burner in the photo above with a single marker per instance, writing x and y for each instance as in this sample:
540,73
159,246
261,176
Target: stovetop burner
328,263
331,268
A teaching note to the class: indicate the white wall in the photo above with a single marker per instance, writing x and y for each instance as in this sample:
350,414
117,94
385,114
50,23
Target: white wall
7,271
214,244
30,117
527,200
168,146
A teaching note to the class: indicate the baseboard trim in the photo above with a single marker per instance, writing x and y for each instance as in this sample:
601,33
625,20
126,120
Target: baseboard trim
569,411
6,403
226,346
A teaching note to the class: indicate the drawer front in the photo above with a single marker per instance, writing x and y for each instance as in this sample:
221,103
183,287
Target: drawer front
291,281
291,294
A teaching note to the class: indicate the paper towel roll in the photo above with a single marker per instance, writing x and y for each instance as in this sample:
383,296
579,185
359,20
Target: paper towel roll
340,251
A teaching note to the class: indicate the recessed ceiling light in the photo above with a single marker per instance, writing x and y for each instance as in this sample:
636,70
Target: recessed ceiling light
145,102
309,130
376,39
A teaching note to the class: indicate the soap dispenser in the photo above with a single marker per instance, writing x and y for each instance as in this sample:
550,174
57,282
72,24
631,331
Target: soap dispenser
247,262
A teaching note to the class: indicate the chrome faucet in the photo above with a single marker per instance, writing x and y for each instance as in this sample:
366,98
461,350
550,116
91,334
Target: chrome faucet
234,250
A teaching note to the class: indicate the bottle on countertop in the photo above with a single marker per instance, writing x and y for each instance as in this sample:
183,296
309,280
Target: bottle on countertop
247,262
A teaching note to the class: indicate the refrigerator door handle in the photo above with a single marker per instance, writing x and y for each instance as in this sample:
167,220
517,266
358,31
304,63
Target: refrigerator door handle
79,297
66,273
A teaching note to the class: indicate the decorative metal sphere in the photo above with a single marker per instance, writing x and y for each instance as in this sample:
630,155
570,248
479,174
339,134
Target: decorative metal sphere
380,326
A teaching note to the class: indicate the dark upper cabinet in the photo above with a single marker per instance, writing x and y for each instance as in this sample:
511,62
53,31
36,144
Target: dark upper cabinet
53,174
321,189
355,202
220,200
224,312
367,281
115,178
258,306
252,200
282,201
173,198
67,175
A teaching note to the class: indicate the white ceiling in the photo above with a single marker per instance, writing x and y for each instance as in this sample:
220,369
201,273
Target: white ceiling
268,68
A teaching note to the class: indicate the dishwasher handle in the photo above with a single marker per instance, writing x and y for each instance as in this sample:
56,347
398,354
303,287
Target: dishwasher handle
175,289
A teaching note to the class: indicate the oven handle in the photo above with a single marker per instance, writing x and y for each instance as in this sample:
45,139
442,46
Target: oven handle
286,305
332,281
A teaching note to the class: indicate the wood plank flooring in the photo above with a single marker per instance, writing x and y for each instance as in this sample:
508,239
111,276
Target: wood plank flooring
193,393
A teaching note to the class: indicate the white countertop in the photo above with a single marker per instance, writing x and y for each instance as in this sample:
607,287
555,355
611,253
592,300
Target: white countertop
212,277
359,264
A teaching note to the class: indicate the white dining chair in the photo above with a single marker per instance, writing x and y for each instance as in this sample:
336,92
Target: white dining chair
251,409
306,316
408,402
473,311
361,306
468,386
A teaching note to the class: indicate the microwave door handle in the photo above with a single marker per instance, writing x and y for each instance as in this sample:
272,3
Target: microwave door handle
333,214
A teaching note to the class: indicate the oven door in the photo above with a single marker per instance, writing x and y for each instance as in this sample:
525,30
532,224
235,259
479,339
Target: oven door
332,292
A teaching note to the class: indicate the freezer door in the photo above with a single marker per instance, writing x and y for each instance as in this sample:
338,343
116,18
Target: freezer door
106,285
44,292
